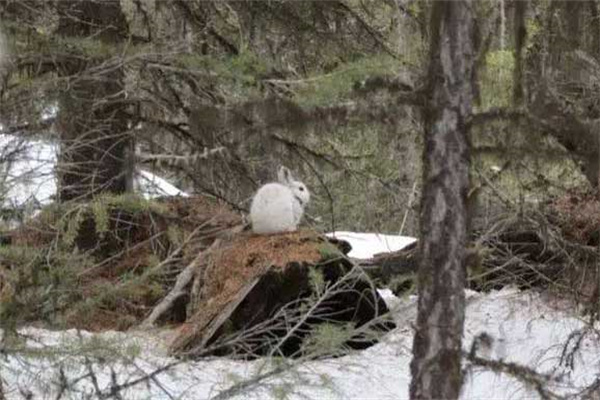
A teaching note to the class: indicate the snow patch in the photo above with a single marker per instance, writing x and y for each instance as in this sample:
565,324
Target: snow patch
27,174
366,245
152,186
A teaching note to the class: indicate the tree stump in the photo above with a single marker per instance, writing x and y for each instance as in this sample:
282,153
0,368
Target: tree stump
263,295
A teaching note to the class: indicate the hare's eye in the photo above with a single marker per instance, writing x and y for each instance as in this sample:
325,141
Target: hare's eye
301,189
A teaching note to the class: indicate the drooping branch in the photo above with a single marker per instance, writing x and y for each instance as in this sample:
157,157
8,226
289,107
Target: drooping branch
376,36
527,376
196,20
280,113
577,136
172,159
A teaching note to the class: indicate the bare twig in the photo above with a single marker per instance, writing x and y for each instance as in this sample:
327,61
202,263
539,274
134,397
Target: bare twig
523,374
409,206
184,278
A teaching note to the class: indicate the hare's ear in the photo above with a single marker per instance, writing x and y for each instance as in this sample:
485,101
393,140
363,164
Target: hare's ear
284,175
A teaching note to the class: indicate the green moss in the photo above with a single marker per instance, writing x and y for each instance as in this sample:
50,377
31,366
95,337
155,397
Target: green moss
406,284
68,218
237,75
175,235
497,79
37,282
329,252
328,338
316,281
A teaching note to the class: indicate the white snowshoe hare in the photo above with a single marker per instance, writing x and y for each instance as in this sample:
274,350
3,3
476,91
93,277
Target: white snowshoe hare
278,207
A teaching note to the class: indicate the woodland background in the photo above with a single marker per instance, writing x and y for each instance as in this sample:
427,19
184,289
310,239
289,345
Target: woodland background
215,95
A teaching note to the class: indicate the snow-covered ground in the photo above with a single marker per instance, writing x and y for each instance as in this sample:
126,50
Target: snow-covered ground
526,328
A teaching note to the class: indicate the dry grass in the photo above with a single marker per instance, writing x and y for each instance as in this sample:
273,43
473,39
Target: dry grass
578,215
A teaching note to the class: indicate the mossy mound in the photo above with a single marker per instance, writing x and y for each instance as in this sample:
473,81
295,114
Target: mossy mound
105,264
113,264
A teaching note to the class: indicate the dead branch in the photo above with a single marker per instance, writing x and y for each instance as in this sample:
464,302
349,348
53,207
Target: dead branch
116,388
183,279
384,266
511,114
171,159
576,135
247,384
527,376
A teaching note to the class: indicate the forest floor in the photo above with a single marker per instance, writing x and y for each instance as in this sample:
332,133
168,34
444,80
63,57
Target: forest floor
539,347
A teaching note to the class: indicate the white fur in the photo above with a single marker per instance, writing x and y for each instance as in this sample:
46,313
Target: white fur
278,207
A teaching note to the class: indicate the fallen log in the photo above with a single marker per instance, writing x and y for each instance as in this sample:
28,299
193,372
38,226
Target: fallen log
384,267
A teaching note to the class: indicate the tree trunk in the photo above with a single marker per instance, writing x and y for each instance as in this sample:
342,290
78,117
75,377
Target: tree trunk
520,33
502,7
436,364
594,28
95,145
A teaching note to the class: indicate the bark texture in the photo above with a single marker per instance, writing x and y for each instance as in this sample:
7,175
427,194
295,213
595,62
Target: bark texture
520,34
95,144
436,367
